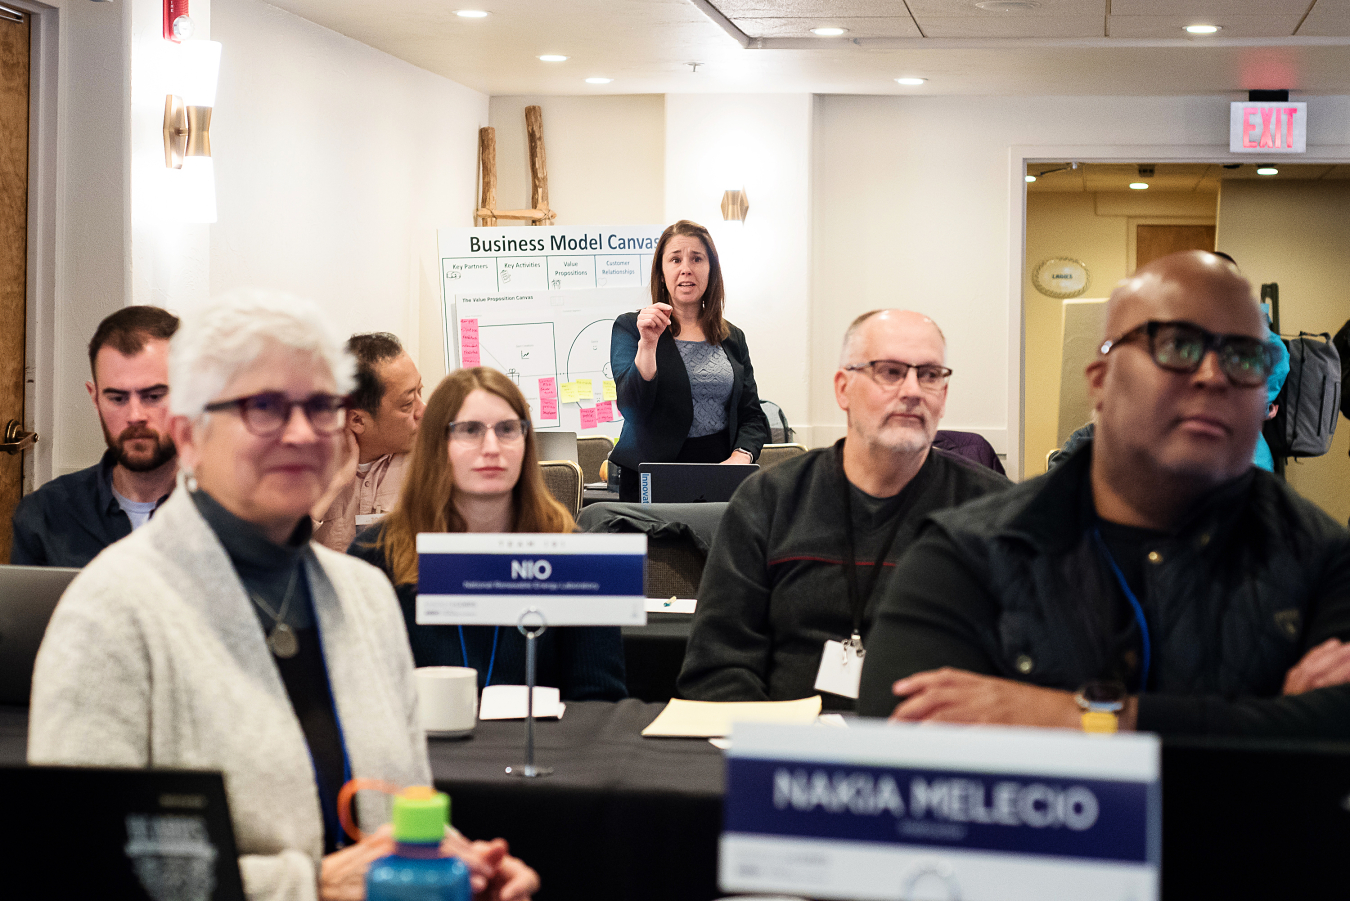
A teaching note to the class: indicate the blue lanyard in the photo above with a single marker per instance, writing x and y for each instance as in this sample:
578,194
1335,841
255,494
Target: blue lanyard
1134,604
492,661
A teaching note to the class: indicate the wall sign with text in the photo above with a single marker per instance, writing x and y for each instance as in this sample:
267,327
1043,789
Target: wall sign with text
1259,127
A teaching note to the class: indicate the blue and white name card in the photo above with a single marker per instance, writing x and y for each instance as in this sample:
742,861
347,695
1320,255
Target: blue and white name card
491,579
899,812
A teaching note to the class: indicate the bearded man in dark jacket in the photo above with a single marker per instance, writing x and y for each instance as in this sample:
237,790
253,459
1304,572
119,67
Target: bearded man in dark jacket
1155,577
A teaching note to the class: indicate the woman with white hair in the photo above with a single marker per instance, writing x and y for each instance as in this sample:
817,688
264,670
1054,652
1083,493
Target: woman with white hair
219,637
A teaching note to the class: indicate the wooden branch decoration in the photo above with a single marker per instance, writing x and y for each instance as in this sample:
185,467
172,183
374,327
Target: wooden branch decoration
534,131
487,163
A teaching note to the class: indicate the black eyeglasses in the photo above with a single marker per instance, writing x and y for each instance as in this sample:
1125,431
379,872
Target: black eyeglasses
471,431
266,414
892,372
1181,347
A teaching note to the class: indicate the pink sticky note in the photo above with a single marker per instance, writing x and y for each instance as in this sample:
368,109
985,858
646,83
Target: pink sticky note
588,417
468,342
548,408
604,412
548,388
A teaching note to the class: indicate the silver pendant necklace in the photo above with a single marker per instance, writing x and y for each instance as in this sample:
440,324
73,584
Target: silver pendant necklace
282,640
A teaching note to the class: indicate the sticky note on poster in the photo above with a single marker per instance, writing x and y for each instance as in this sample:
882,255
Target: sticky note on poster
567,393
548,408
548,388
588,417
608,391
584,389
604,412
468,342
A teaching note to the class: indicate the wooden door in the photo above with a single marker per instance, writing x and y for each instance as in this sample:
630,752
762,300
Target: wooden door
1154,241
14,36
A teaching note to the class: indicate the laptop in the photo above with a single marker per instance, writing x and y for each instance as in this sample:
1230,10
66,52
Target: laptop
28,595
691,483
557,446
87,832
1255,819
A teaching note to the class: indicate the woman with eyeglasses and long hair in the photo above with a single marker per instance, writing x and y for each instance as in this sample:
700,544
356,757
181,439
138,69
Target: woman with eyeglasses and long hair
682,373
475,468
219,637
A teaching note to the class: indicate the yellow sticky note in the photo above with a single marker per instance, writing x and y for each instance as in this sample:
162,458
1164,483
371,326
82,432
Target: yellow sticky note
609,391
584,389
567,392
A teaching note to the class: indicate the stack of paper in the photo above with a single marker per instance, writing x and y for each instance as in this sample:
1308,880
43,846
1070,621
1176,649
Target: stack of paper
712,719
507,702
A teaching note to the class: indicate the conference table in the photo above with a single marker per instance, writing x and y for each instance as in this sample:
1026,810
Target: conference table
622,816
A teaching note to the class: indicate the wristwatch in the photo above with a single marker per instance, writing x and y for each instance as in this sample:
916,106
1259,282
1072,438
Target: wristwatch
1101,703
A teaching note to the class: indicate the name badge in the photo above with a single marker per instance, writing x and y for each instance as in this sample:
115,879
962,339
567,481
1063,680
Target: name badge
841,668
368,519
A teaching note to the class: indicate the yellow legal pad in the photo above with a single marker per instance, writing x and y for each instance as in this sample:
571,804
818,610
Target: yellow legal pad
713,719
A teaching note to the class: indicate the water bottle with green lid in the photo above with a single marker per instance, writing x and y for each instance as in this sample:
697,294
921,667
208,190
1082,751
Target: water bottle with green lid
417,871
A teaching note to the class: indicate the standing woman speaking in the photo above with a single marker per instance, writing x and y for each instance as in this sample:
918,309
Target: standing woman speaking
683,375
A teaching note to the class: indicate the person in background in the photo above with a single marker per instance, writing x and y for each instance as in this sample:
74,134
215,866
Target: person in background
1155,578
220,637
68,521
682,372
382,416
475,468
792,581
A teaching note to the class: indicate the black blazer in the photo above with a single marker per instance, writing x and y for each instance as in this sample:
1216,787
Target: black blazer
657,414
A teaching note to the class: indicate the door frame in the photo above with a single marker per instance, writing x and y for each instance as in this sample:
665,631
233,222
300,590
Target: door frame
1019,155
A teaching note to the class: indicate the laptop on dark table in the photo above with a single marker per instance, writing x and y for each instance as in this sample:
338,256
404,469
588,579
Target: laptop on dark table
691,483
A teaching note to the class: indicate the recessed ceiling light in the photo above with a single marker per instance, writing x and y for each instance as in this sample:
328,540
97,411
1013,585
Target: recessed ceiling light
910,81
1030,179
1202,29
598,80
471,13
1138,186
1007,6
1267,170
828,32
552,58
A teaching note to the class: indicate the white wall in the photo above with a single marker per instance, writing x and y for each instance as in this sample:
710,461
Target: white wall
762,144
915,205
335,165
605,155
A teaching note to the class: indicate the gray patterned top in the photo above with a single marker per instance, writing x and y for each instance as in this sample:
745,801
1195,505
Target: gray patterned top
710,378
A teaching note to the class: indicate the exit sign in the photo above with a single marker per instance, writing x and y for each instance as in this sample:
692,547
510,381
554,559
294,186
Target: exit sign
1267,127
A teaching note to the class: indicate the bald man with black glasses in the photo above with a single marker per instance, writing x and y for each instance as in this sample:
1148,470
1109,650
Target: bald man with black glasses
1155,580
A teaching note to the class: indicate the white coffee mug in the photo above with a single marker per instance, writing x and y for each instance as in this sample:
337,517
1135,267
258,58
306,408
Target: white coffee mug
447,699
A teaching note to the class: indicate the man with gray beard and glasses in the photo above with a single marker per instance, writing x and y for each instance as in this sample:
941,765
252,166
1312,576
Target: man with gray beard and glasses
68,521
805,548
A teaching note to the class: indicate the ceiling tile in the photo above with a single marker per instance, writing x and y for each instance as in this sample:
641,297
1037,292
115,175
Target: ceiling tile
1202,8
1009,27
1327,20
1234,26
872,27
803,9
1044,8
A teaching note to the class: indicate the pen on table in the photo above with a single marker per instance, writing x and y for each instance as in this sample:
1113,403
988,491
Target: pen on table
669,602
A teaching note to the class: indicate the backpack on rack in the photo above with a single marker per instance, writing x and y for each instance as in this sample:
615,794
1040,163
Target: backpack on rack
779,430
1310,400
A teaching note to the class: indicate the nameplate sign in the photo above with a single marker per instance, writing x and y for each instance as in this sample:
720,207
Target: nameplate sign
570,580
895,812
1267,127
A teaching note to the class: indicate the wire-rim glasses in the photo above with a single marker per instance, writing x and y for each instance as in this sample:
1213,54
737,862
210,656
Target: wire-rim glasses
471,431
890,373
1182,346
266,414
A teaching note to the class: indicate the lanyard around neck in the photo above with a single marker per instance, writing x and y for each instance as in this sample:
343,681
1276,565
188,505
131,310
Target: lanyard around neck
857,597
1134,605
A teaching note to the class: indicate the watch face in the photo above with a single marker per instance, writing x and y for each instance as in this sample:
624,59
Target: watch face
1109,694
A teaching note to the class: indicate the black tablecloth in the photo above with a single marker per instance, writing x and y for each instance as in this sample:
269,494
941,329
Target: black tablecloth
654,653
622,817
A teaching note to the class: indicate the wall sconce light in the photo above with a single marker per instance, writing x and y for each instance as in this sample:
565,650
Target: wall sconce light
735,205
187,127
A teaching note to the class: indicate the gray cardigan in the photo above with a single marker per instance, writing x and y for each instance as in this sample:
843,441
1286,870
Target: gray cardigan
154,658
